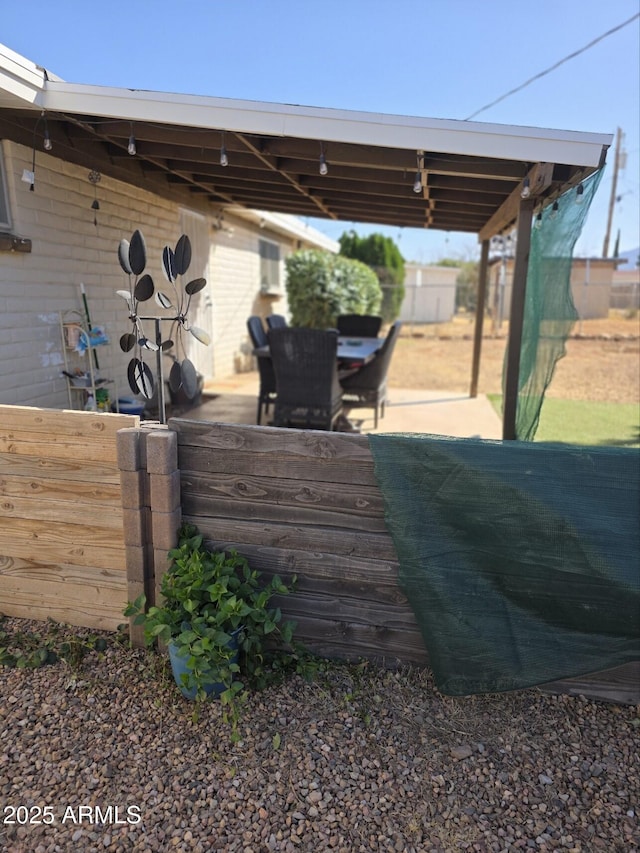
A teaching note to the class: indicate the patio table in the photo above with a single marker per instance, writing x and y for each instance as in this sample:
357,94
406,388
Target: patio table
358,351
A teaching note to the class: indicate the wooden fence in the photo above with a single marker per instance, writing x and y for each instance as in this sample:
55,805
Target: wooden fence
90,504
62,551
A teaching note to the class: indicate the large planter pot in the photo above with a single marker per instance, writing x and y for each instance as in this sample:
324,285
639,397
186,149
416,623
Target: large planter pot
179,667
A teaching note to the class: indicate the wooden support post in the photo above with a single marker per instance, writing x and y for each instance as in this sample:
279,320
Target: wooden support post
477,335
516,319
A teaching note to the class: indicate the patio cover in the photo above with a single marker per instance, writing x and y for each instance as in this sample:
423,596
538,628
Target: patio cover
471,172
471,176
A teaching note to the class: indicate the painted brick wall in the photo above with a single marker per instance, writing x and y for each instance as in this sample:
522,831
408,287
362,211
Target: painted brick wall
67,249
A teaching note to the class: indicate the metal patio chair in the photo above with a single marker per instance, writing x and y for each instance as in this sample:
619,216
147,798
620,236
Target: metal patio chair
276,321
359,325
368,387
267,392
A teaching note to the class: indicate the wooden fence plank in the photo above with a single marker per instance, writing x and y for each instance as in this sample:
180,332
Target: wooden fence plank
72,423
52,446
92,607
287,561
352,499
77,470
351,641
294,454
111,576
45,546
344,542
55,489
94,516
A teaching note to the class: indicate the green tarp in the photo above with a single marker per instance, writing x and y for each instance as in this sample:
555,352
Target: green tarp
520,560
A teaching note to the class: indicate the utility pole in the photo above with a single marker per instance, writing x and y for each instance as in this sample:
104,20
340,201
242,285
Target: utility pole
612,199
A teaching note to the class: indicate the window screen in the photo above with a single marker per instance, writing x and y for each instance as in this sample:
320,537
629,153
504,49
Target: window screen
269,265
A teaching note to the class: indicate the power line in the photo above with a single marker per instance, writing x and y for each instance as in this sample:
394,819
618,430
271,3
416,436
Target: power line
553,67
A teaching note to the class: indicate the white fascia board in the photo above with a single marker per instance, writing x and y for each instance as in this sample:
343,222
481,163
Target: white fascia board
21,81
289,226
525,144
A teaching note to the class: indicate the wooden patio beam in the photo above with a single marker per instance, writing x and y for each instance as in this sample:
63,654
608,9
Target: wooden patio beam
540,178
516,318
483,276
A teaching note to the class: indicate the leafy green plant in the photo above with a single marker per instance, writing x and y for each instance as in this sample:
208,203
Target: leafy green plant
32,649
320,286
213,602
383,256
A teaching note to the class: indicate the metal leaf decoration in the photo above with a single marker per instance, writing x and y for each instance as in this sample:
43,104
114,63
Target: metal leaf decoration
123,256
137,253
200,335
182,255
195,286
144,288
175,377
189,378
127,342
143,378
132,256
169,264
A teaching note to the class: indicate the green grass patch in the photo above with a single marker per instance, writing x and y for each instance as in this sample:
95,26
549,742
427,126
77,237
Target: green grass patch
585,422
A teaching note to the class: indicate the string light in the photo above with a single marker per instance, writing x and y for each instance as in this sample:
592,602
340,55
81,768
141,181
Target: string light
579,194
324,168
525,192
224,160
47,144
131,145
554,210
417,183
537,224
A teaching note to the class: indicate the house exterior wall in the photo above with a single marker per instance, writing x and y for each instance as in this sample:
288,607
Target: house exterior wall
68,248
590,286
430,294
625,289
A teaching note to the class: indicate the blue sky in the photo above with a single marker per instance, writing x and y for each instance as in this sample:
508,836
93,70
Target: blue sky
432,58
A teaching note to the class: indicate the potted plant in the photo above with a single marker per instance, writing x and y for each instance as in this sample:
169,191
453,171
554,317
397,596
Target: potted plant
215,619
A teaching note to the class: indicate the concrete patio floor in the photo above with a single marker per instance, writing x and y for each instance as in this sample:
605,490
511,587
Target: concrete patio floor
234,400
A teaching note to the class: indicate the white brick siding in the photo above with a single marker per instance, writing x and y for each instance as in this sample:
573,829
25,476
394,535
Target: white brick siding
67,249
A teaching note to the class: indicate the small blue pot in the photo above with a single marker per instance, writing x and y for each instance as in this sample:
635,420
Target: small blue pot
179,667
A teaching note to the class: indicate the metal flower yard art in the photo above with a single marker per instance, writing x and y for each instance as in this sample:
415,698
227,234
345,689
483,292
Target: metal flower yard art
175,263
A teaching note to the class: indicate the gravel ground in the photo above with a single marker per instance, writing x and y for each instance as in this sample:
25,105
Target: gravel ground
360,759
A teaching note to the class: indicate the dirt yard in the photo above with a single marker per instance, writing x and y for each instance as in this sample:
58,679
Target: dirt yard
602,361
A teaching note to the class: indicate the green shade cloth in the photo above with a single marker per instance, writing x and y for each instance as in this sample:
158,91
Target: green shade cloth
549,312
519,560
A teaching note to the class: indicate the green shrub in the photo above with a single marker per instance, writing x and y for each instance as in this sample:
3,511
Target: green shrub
320,286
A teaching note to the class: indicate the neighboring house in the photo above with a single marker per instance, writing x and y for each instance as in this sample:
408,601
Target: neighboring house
591,280
430,293
241,255
625,288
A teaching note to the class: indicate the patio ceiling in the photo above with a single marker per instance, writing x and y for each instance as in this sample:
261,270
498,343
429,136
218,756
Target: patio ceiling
471,173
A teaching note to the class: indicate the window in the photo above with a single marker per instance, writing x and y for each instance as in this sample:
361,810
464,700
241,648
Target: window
269,266
5,220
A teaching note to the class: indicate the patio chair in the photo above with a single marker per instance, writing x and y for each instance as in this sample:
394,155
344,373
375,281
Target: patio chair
359,325
368,387
267,392
309,395
276,321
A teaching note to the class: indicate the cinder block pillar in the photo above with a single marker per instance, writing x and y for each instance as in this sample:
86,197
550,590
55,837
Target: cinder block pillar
134,490
164,485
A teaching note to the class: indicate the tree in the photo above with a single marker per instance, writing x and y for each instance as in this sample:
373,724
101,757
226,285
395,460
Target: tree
320,286
384,257
466,282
